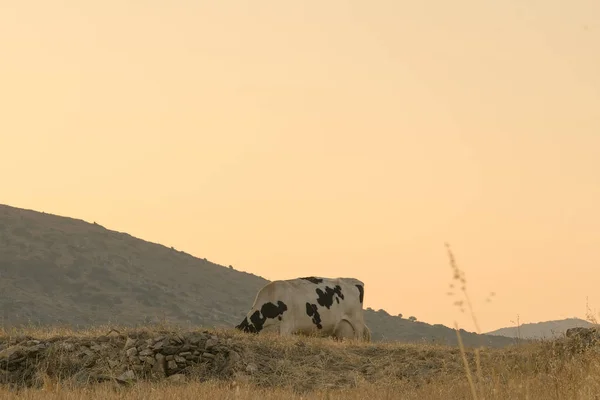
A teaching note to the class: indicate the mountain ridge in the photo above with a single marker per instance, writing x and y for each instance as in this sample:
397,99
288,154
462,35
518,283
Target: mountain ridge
542,329
64,270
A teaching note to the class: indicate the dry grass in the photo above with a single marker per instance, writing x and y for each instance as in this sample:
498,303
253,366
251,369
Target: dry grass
534,375
312,368
532,388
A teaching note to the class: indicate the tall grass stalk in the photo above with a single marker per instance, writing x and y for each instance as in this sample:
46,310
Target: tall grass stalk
459,276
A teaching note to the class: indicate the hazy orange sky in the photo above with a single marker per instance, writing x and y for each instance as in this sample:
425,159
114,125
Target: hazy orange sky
332,138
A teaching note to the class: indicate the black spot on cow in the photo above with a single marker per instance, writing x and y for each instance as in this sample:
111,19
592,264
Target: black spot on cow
257,321
326,298
258,318
312,279
270,310
312,311
245,326
361,292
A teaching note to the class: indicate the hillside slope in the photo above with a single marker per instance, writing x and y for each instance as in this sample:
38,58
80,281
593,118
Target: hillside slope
390,328
58,270
62,270
541,330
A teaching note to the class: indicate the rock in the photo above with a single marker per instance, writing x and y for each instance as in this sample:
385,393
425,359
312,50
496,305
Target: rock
170,357
208,355
180,360
90,361
185,353
172,365
148,359
129,343
177,340
66,346
185,347
131,352
196,338
210,343
82,378
96,348
233,357
146,352
157,346
126,376
177,378
580,339
581,332
12,354
160,366
251,368
169,350
113,364
85,350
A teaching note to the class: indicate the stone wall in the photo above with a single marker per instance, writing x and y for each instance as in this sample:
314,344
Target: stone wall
304,364
24,361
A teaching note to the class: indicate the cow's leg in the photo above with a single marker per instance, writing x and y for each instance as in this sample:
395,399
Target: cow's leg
363,333
286,328
344,330
366,333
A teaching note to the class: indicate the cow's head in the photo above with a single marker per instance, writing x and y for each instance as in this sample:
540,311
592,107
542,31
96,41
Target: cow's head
268,315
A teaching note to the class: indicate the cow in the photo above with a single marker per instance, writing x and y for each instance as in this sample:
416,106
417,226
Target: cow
312,306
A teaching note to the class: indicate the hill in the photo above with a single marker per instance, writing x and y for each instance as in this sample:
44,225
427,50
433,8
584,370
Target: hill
541,330
59,270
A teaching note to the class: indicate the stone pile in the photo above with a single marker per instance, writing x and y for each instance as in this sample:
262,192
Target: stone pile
121,358
581,339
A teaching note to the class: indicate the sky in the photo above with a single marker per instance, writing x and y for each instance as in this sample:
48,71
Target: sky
338,138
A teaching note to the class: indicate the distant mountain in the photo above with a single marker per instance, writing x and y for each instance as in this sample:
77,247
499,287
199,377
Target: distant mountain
390,328
58,270
541,330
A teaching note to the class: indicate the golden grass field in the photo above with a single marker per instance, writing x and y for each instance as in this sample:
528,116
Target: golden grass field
314,368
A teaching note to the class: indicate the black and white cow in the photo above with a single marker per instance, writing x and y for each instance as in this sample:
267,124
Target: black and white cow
311,306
